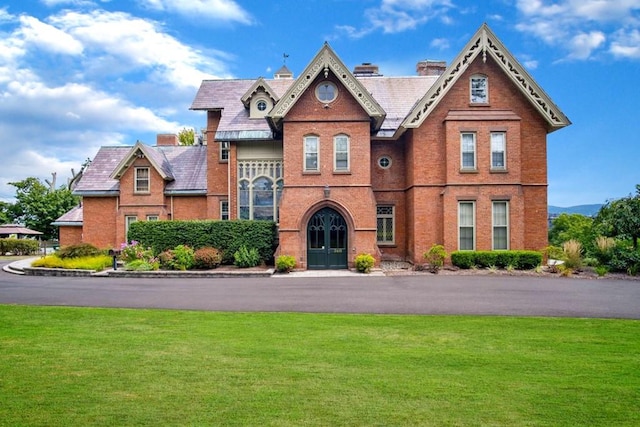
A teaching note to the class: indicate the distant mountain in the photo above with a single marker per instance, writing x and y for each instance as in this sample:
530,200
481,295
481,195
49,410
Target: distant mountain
588,210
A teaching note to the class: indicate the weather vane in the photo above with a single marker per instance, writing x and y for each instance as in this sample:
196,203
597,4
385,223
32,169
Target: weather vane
284,58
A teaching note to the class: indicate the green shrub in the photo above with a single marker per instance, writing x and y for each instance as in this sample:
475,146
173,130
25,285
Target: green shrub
79,251
245,258
601,270
625,259
364,263
183,258
141,265
166,259
285,263
227,236
19,246
207,258
435,257
519,260
604,249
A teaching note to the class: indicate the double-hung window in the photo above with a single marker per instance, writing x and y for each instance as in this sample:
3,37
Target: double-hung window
142,180
385,216
128,220
468,151
341,153
224,151
466,226
500,220
224,209
498,151
311,153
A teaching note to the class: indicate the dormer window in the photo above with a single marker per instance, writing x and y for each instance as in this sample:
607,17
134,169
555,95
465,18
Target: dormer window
479,89
260,107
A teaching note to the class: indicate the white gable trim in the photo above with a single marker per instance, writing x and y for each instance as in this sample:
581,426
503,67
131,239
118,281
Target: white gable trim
484,43
128,160
260,83
326,60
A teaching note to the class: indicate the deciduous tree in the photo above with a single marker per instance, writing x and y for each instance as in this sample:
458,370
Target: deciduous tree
621,218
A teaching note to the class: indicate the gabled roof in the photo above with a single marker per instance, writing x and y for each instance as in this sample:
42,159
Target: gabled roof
6,229
260,83
484,43
188,165
156,158
73,218
326,60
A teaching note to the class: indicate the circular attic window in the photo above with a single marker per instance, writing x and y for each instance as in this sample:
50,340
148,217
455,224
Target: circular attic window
261,105
384,162
326,92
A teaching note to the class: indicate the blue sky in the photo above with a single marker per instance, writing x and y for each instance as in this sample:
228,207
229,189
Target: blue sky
78,74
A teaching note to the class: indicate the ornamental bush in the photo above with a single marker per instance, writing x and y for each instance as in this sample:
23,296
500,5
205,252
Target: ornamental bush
79,251
207,258
519,260
285,263
435,257
364,263
19,246
245,258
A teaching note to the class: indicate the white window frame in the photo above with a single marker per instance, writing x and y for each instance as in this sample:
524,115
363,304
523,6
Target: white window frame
128,220
463,150
499,146
307,139
385,217
336,140
502,223
476,90
153,217
463,224
137,187
224,210
320,95
225,148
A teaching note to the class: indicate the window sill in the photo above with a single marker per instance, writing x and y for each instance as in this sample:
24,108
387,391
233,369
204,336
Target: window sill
310,172
479,104
387,245
499,171
469,171
342,172
142,193
223,161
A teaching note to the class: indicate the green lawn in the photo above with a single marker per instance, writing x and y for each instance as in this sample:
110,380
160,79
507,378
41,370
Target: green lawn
80,366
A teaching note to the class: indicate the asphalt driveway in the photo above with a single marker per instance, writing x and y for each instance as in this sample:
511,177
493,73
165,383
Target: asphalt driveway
421,294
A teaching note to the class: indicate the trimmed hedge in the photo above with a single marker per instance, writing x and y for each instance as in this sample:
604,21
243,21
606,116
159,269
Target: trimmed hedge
520,260
19,246
227,236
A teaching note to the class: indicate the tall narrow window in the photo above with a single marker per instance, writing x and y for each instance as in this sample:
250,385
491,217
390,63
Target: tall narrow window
260,186
479,88
468,151
385,216
244,197
224,151
466,225
341,152
311,149
500,225
224,209
128,220
141,180
498,150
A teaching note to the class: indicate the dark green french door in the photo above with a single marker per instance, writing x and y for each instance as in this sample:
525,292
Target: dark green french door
327,240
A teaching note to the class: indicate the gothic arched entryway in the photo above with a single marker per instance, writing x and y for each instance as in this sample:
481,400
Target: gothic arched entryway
327,240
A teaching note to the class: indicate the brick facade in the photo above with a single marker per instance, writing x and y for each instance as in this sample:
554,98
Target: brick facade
422,179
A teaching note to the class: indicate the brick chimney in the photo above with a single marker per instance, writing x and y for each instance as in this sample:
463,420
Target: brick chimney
167,139
366,69
429,67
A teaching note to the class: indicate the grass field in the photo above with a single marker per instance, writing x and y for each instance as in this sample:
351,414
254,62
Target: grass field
79,366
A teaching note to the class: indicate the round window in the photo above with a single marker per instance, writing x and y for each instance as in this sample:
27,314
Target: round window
384,162
261,105
326,92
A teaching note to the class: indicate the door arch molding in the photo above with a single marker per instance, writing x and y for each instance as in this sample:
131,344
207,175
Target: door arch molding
327,233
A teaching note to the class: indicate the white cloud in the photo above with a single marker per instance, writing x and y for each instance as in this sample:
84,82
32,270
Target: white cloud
440,43
583,44
218,10
48,37
626,44
395,16
584,26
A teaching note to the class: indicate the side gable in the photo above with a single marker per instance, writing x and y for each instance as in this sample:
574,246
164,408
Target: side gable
260,83
484,43
157,160
326,60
